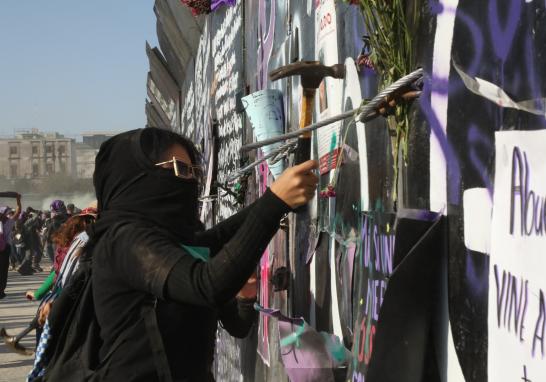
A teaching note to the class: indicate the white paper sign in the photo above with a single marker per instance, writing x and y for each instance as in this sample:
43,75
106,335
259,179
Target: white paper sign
517,273
265,110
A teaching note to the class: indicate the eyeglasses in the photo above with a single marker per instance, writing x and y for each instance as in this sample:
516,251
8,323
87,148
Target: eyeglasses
183,170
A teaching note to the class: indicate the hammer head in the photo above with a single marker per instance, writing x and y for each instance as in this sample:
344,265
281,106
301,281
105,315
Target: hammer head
13,345
311,72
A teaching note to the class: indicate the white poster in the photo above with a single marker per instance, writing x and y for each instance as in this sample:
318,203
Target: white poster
517,279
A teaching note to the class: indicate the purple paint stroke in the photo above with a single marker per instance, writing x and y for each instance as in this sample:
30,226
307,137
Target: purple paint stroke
384,252
436,7
440,86
389,245
418,214
357,38
475,138
367,76
265,42
541,317
502,38
478,281
477,39
451,159
215,4
387,253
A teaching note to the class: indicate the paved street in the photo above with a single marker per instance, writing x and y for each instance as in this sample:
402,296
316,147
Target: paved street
15,314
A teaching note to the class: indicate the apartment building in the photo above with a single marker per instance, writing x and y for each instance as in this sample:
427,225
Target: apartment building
31,154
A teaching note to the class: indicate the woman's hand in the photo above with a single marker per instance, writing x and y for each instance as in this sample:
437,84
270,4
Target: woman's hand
29,295
297,185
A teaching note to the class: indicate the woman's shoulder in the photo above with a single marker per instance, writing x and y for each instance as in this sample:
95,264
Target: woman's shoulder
133,227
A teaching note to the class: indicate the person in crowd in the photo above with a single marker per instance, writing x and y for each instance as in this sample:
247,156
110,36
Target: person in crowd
15,261
62,240
6,225
58,217
20,242
33,225
46,245
70,239
4,258
72,210
160,283
27,237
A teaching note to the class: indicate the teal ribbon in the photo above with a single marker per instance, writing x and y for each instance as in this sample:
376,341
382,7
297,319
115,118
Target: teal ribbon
294,337
335,347
200,253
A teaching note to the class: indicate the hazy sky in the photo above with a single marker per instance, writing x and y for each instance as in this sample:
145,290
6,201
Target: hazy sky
74,65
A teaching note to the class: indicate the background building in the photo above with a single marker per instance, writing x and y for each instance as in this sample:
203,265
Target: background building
33,154
85,160
88,150
96,138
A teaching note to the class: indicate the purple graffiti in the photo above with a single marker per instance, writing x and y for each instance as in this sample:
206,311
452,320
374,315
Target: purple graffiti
452,161
477,281
379,257
265,42
477,40
474,29
215,4
532,207
503,37
374,297
540,326
512,296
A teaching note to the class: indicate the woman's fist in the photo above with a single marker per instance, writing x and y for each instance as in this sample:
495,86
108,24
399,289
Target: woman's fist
297,185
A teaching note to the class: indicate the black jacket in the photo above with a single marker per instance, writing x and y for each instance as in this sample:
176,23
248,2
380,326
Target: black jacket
164,304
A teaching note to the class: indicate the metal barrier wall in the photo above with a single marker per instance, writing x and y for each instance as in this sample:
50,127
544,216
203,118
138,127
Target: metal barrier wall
436,273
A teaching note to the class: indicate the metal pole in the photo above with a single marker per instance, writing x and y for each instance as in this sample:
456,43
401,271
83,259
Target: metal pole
363,113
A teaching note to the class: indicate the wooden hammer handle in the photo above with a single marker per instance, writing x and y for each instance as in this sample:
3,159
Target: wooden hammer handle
306,116
303,152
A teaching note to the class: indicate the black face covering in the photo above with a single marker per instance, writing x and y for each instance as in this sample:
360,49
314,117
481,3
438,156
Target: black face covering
130,187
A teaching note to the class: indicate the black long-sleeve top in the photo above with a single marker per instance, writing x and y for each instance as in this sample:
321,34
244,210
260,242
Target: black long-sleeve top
137,266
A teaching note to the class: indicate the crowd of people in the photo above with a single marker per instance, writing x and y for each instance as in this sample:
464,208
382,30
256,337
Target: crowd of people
138,286
25,237
28,235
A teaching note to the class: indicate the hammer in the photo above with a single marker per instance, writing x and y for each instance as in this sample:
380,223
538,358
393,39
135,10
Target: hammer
12,342
311,73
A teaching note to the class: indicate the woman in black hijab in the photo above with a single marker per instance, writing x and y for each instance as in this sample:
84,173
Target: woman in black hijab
157,295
